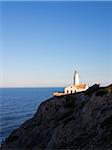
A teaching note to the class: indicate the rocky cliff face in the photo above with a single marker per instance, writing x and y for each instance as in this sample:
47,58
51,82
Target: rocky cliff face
80,121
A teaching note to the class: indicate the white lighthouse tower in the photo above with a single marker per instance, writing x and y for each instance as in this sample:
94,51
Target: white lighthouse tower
76,79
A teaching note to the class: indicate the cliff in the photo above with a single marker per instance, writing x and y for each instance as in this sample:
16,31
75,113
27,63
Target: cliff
80,121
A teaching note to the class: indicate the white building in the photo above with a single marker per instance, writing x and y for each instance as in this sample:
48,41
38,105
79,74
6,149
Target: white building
76,87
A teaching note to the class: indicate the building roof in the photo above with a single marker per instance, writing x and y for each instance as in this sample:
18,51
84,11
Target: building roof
81,86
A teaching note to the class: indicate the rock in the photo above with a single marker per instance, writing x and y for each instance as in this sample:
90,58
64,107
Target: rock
80,121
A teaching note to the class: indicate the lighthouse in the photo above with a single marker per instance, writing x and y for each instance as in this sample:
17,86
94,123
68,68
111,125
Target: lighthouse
75,87
76,79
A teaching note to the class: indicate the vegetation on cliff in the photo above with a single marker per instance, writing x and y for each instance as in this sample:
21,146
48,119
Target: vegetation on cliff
80,121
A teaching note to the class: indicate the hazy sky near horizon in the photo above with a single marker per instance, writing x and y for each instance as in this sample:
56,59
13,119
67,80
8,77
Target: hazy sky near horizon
44,42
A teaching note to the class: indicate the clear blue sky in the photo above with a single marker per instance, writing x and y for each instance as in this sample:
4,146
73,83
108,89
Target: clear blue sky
44,42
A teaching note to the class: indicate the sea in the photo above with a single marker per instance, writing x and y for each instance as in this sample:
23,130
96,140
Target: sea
20,104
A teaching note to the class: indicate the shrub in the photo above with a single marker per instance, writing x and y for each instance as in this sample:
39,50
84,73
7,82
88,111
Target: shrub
103,91
70,101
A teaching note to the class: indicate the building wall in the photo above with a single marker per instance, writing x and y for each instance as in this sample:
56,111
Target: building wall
69,90
72,89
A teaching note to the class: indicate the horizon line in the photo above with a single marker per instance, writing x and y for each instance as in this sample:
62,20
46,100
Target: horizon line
33,87
102,85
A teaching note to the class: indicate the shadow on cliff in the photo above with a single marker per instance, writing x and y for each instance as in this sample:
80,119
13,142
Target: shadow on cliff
76,121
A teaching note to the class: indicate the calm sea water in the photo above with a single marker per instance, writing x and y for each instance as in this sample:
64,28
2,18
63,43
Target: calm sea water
19,104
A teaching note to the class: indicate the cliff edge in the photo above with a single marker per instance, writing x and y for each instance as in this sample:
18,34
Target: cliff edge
80,121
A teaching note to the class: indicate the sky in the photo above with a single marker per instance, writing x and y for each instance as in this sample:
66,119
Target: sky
42,43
